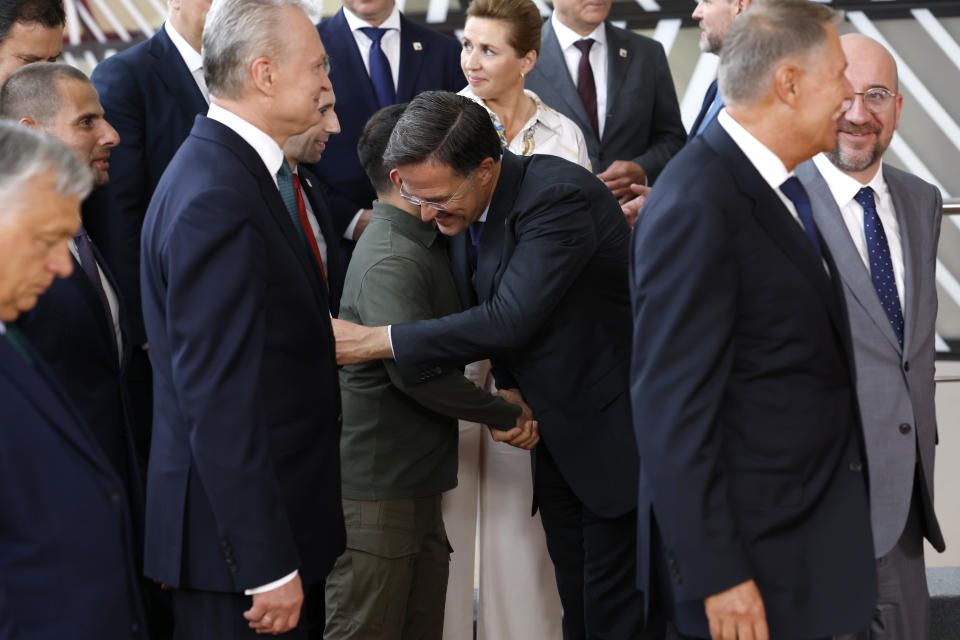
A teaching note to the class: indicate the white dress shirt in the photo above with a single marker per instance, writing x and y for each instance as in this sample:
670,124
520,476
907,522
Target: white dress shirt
272,156
547,131
389,43
111,299
598,60
844,188
314,224
191,58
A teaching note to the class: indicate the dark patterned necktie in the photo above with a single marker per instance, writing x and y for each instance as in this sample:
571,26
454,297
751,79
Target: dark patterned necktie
881,266
798,196
586,86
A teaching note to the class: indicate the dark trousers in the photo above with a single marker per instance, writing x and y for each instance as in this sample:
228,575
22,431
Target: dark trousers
204,615
595,561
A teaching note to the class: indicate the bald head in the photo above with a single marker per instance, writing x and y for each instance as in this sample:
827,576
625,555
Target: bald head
864,132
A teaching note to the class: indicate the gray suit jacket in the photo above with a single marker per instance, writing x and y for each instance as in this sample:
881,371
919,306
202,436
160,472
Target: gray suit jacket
895,386
643,117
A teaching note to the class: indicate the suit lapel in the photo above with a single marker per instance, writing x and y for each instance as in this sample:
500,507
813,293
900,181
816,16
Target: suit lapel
175,75
355,73
40,387
492,244
410,62
616,70
84,288
555,68
849,263
460,266
909,236
777,222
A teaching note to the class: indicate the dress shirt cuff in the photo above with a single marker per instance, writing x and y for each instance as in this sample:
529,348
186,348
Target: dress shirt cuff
348,234
276,584
393,354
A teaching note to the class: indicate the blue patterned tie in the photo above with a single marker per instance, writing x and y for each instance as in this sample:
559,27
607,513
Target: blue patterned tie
881,266
798,196
380,72
712,112
289,195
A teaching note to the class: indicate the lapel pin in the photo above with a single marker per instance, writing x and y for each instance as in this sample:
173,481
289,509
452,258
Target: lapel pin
417,46
307,180
623,53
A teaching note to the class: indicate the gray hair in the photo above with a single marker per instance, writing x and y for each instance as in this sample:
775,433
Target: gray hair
28,153
32,92
765,34
444,127
236,33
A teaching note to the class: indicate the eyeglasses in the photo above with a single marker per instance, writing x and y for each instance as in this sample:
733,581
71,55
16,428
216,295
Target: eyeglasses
437,206
876,100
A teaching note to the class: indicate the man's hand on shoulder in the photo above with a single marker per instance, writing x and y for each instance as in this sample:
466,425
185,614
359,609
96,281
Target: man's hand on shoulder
278,610
737,613
357,343
620,175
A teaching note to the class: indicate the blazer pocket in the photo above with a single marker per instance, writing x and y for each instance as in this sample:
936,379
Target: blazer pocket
769,489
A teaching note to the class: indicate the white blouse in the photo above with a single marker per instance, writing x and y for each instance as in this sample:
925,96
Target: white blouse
548,131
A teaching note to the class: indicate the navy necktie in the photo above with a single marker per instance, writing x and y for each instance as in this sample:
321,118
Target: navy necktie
18,343
586,86
881,266
380,72
88,263
476,232
712,112
798,196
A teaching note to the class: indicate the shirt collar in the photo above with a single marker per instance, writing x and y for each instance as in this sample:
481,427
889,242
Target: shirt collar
567,36
545,116
192,58
766,162
265,146
408,225
356,22
844,187
3,328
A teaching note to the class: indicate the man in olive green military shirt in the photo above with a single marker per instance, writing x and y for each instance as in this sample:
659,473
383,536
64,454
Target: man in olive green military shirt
399,444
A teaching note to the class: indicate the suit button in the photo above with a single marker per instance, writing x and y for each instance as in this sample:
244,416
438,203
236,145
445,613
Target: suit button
904,428
114,496
856,466
906,366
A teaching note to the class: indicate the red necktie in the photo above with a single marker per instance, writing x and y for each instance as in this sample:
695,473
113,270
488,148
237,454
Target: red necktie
307,230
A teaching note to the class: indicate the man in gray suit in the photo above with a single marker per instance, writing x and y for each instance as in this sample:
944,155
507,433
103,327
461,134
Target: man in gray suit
617,87
882,226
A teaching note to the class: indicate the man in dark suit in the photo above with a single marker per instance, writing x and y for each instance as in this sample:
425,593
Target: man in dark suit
67,549
307,148
742,378
539,254
244,515
151,93
379,58
616,85
30,31
883,226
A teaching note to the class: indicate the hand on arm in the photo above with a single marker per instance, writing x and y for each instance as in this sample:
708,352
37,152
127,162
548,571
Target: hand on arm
356,343
632,207
737,613
620,175
278,610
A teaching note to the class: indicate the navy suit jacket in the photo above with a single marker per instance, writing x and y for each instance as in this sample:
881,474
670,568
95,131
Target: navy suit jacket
69,328
704,107
243,484
744,403
643,116
150,98
67,549
310,185
553,313
428,61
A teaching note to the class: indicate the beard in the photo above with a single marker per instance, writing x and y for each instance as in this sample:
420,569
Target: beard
710,42
857,160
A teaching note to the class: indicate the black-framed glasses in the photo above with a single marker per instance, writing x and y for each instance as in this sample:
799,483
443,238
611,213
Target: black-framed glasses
875,100
437,206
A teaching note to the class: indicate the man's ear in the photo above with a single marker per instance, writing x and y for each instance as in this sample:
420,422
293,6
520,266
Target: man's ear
30,122
485,170
786,83
263,72
395,178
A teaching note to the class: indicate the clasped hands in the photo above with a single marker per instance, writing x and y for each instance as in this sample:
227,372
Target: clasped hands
525,433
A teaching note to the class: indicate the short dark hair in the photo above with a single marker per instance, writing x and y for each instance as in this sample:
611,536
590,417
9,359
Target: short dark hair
446,128
49,13
373,144
32,91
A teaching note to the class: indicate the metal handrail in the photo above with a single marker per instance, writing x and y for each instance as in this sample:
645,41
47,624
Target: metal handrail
951,206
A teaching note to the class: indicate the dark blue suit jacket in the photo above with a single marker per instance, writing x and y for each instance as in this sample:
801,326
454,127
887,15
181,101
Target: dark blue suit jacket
67,567
434,64
310,185
70,329
150,98
243,485
744,403
704,107
553,313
